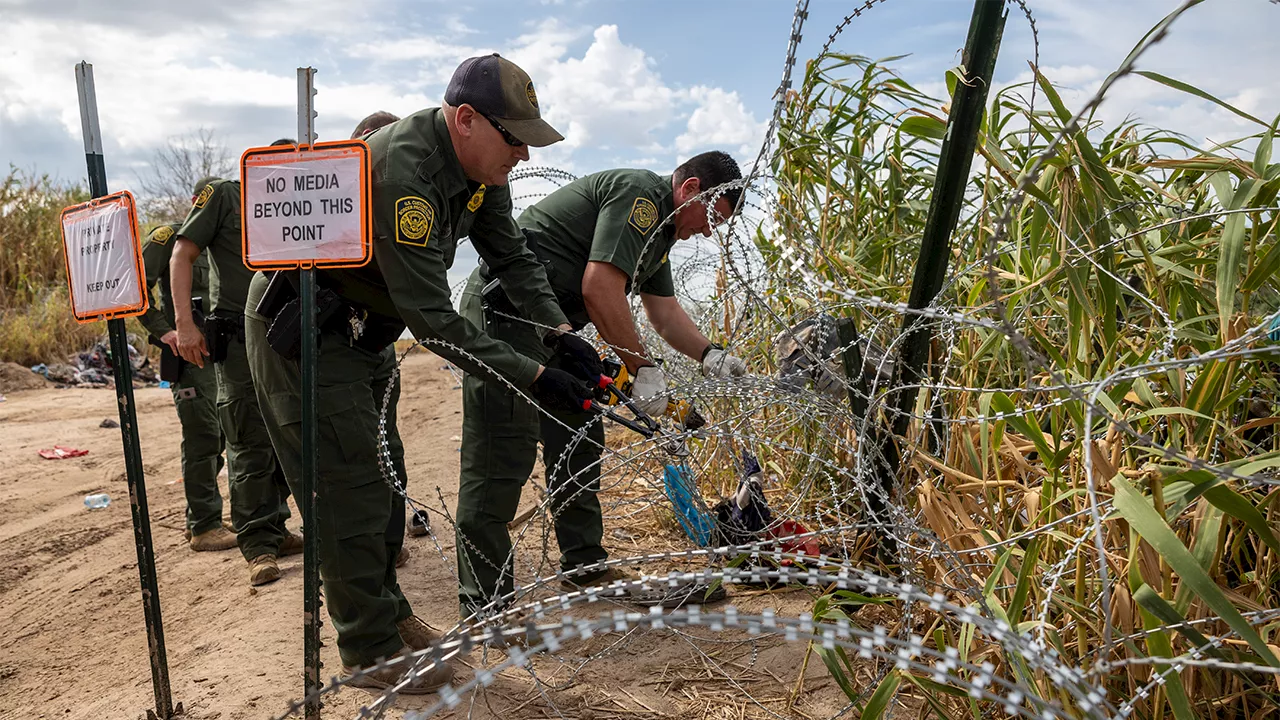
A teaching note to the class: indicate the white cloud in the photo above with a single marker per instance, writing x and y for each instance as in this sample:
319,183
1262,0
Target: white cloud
609,97
720,121
613,98
1217,46
143,88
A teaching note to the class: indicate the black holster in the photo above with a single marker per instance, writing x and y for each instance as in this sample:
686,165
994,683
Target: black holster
284,335
220,329
283,306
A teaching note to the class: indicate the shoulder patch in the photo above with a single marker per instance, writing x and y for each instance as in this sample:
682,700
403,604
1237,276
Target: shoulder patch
533,97
414,218
476,200
644,214
204,196
162,235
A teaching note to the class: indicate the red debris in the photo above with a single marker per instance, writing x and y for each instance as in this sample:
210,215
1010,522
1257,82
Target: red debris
787,542
62,451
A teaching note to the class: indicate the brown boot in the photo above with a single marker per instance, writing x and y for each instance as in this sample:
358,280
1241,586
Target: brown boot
503,639
402,558
226,525
215,539
422,684
291,545
415,633
609,576
263,569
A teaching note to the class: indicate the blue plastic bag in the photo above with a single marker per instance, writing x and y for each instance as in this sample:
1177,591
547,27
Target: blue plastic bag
682,491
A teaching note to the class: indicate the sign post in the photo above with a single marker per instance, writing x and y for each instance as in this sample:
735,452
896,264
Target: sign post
303,208
311,546
104,268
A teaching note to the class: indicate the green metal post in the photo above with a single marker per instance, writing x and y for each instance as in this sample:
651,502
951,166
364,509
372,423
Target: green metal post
123,372
311,535
963,123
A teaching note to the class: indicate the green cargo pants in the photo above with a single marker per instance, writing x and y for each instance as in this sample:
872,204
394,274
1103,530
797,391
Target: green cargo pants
195,395
360,521
500,432
259,492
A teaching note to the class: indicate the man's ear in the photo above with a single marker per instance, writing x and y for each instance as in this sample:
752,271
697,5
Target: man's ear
463,118
688,189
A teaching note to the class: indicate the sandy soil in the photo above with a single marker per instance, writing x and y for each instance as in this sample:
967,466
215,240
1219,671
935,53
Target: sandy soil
74,643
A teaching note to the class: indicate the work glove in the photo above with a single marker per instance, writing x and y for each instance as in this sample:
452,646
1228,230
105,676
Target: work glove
649,391
558,390
717,363
576,356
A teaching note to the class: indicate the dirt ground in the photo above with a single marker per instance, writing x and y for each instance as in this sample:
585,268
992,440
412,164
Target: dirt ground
74,643
17,377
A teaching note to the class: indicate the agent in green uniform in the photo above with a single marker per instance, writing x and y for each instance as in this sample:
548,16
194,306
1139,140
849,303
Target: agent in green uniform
418,523
595,237
258,488
195,394
438,175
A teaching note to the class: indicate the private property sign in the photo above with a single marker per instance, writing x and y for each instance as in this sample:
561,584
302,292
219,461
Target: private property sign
306,206
103,258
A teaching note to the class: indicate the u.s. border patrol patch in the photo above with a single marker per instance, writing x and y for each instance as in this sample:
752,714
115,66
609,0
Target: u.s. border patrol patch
643,214
414,217
533,96
476,200
204,196
162,235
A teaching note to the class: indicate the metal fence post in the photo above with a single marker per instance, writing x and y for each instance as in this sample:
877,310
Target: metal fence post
986,28
128,423
311,537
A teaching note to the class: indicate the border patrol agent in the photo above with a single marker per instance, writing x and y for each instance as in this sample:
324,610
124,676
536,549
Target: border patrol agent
258,488
418,524
195,394
438,175
595,237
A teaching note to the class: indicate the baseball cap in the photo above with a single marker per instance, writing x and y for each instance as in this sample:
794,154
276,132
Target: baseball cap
203,183
498,88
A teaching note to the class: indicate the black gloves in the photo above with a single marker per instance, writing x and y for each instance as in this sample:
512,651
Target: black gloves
576,356
558,390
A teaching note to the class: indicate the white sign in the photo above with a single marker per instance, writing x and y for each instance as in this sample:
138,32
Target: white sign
104,258
305,207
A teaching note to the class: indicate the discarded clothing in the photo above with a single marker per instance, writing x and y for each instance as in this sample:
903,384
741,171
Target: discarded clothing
58,452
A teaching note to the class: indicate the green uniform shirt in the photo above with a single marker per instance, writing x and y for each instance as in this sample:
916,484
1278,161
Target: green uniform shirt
605,217
214,225
156,251
423,205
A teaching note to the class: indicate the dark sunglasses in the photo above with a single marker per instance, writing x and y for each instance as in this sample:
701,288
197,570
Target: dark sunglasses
511,140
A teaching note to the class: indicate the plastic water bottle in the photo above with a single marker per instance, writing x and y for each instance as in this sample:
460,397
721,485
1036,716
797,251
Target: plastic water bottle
97,501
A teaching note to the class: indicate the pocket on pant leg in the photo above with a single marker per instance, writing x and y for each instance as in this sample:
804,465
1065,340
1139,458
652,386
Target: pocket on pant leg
231,417
349,475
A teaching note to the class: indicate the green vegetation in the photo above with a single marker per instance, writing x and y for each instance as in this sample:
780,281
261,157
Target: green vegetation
35,310
1124,228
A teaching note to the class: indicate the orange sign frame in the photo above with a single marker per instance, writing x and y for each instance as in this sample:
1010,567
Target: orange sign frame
124,198
276,155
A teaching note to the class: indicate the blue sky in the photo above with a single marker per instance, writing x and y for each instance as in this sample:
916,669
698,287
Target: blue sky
640,84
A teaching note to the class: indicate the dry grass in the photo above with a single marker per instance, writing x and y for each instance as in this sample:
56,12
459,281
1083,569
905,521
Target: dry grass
855,173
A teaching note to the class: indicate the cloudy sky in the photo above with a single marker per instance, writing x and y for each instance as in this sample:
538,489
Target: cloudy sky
628,83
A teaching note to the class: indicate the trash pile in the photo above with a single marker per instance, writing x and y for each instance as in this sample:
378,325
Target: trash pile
93,367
